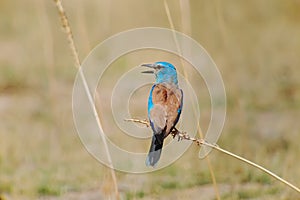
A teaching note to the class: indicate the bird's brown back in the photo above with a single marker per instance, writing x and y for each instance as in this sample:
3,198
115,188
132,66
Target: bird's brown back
168,96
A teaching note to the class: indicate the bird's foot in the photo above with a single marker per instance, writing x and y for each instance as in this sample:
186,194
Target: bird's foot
174,132
180,135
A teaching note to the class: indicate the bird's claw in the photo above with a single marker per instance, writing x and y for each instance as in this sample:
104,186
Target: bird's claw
175,133
180,138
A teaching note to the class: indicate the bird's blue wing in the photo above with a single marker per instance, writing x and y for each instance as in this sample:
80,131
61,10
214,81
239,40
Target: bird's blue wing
150,105
150,102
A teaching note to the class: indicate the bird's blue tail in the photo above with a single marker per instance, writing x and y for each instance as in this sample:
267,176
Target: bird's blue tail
155,150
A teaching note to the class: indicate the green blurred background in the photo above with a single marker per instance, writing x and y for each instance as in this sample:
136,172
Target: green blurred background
255,44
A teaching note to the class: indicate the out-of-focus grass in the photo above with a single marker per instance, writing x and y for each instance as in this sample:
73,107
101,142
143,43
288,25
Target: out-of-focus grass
255,44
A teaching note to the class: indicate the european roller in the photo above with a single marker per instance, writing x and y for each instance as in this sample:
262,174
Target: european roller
164,106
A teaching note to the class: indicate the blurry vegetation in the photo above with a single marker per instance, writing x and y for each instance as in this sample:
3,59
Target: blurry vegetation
255,44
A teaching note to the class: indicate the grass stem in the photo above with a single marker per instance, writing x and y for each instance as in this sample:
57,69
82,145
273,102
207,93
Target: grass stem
66,26
185,136
186,25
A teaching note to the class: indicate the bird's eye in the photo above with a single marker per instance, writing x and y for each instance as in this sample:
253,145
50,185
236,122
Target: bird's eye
159,66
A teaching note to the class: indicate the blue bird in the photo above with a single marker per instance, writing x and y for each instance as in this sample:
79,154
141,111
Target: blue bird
164,106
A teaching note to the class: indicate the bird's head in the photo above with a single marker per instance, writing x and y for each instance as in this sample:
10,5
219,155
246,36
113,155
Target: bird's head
164,72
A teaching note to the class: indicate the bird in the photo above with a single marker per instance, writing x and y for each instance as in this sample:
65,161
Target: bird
164,106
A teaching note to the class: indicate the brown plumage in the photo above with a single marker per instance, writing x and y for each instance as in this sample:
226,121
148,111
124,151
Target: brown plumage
167,100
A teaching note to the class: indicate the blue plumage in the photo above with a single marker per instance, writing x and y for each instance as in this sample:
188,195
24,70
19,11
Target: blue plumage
164,106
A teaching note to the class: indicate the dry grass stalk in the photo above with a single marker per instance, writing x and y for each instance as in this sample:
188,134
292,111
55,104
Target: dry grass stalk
186,24
184,136
67,28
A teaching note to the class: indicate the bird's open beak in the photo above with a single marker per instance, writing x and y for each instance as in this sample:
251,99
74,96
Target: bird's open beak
148,71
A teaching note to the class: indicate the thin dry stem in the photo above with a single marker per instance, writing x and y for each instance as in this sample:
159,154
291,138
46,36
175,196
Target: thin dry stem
67,28
185,10
186,24
187,29
184,136
145,122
